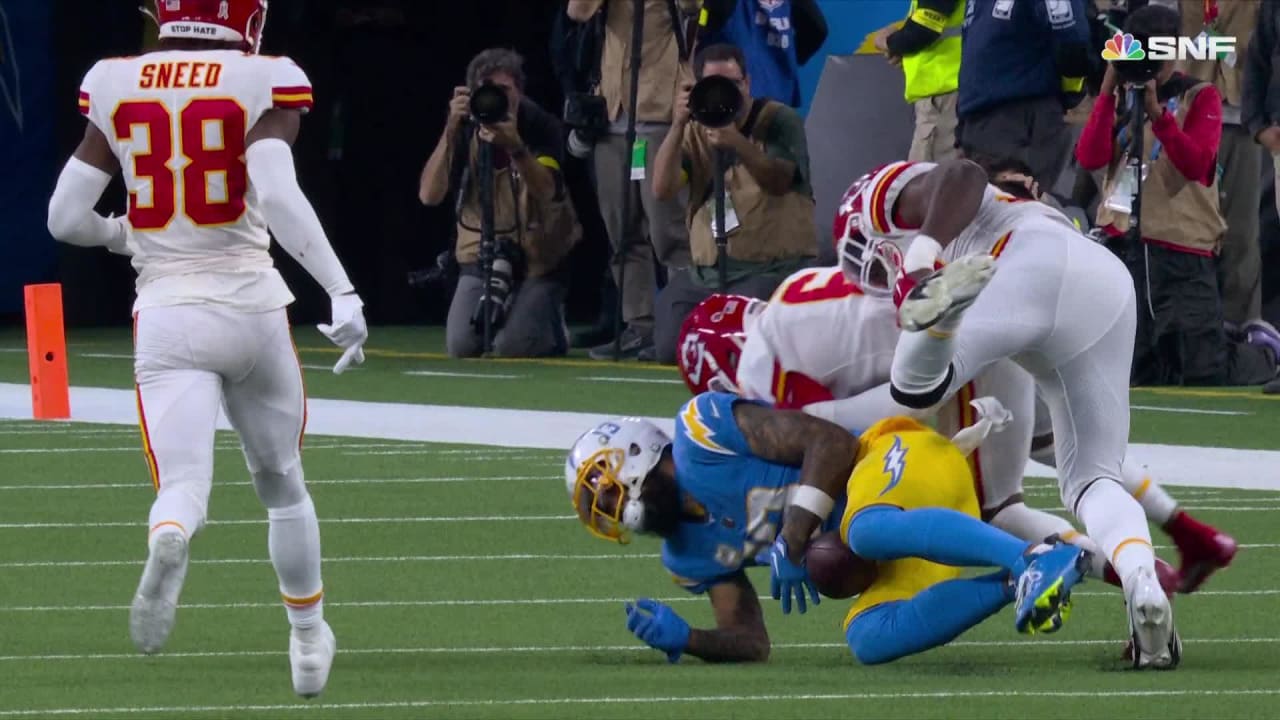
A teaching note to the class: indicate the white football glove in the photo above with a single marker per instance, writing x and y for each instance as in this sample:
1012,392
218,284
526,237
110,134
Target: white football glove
992,417
348,330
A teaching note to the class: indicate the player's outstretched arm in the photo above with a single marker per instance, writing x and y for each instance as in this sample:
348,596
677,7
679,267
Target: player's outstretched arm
740,634
83,179
824,452
297,228
942,203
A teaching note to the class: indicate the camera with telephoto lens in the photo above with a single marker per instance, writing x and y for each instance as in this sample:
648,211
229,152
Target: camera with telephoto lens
508,261
489,104
715,101
587,117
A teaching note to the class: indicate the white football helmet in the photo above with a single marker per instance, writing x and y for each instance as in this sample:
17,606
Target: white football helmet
605,471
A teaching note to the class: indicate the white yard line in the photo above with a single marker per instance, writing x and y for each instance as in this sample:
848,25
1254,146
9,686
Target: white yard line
104,356
1033,695
373,559
1187,411
145,484
326,521
487,602
543,557
1174,464
539,649
482,376
427,451
642,381
463,518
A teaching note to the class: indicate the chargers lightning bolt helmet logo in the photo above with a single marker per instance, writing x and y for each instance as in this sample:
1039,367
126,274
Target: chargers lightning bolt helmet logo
895,459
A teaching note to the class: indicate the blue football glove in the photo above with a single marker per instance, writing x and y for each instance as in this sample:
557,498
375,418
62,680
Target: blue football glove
659,626
786,578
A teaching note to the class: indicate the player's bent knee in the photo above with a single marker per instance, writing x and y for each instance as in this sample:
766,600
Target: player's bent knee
867,531
870,637
280,489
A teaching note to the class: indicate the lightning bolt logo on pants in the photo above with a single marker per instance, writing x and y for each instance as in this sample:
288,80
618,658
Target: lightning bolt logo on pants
895,459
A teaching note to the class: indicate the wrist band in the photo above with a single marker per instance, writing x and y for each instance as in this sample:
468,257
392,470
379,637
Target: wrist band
922,253
814,500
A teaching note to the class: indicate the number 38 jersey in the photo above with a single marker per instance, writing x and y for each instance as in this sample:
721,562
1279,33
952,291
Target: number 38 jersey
818,327
741,497
177,122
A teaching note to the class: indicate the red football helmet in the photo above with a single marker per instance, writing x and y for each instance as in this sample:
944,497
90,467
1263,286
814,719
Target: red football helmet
237,21
871,264
711,341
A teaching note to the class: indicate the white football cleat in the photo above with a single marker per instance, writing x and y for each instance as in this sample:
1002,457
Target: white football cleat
946,293
155,604
311,653
1156,643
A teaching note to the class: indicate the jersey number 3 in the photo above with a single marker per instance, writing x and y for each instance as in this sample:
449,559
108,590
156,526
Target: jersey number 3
210,144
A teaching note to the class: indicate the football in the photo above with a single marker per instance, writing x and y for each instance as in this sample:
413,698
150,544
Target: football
835,570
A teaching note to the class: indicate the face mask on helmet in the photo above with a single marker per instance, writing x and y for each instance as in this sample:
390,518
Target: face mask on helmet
605,474
872,265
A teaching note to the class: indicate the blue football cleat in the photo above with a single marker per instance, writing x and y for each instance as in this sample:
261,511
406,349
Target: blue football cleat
1043,599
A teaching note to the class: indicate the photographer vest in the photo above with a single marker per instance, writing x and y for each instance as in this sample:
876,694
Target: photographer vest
545,231
1175,211
770,227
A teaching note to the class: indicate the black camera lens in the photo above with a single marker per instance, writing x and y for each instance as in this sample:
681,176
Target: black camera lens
489,104
715,101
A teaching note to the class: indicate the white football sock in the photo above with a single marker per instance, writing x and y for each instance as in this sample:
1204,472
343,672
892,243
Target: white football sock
176,509
1157,503
294,542
922,360
1035,525
1117,524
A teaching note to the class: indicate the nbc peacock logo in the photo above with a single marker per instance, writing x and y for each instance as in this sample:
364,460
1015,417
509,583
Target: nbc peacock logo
1123,46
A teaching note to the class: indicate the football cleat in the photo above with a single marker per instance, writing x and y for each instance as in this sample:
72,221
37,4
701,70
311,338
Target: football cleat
1203,551
311,652
155,605
1155,640
1042,601
946,293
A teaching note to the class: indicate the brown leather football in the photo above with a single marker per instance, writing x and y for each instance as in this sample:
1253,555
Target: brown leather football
835,570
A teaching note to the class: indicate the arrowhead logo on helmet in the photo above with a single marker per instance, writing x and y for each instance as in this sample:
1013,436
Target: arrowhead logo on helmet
711,340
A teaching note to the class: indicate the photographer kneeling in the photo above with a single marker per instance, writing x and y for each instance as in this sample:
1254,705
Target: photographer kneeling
1180,336
534,225
760,147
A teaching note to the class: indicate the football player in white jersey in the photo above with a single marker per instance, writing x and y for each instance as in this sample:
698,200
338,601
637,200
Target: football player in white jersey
202,130
1063,307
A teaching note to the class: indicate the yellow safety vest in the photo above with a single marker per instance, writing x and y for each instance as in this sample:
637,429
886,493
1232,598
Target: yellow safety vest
936,69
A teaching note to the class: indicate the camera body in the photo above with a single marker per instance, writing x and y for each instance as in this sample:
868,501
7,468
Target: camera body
489,104
715,101
587,117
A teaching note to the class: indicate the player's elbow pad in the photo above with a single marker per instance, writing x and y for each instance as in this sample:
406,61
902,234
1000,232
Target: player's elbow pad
71,216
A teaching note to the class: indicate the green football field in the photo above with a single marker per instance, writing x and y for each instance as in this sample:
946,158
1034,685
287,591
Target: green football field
460,586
